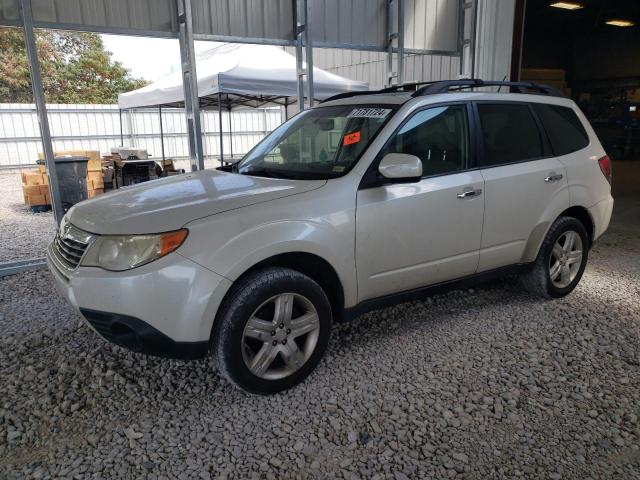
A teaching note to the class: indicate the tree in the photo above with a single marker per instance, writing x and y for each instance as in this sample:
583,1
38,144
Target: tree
75,68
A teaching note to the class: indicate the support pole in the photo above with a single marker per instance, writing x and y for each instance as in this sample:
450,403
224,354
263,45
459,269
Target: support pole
400,42
161,134
121,132
391,35
190,84
220,124
299,68
308,45
230,128
41,107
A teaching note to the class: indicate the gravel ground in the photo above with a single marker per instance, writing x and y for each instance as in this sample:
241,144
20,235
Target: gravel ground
475,384
23,234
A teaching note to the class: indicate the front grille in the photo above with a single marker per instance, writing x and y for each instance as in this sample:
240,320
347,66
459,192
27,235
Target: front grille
68,247
70,251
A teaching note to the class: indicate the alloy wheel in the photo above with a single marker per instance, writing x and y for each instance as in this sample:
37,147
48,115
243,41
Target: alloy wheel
566,259
280,336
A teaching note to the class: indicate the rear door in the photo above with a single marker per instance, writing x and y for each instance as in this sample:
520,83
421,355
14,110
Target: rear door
525,185
409,235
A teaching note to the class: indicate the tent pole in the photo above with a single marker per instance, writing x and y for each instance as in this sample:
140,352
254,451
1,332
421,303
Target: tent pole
220,124
121,132
309,51
41,108
230,128
190,84
161,134
299,70
286,108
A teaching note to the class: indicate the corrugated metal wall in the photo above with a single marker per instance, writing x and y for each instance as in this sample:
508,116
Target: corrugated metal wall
494,39
353,22
271,19
97,127
157,16
430,24
370,66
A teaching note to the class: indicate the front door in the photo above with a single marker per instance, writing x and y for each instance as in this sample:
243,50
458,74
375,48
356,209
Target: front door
416,234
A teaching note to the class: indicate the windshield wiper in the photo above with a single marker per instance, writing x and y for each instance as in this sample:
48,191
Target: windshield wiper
268,172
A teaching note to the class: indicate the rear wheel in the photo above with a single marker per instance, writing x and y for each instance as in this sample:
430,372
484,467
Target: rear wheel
561,260
272,330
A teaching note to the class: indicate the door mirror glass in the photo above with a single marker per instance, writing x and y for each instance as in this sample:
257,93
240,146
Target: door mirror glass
401,166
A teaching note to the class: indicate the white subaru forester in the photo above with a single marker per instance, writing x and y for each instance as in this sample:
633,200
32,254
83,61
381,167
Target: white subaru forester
360,201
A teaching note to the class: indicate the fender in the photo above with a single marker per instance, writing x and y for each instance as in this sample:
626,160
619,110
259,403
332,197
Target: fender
238,253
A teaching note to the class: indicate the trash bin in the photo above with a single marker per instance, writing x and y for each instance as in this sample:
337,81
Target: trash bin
72,180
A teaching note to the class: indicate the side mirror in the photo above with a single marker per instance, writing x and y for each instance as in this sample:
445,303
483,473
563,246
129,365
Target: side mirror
401,166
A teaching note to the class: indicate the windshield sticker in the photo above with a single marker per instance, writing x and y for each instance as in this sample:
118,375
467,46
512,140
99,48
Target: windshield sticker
369,113
351,138
338,168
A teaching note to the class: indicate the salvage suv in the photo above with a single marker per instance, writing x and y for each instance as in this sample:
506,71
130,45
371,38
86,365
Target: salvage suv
360,201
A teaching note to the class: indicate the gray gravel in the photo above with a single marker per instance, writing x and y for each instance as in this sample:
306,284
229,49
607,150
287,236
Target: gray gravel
476,384
23,234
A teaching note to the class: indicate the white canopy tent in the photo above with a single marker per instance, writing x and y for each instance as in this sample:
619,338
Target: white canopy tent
250,75
232,76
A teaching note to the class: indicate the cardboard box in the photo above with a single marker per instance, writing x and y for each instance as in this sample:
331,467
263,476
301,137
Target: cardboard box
42,169
90,154
29,190
94,165
95,192
36,200
44,190
94,180
33,178
95,185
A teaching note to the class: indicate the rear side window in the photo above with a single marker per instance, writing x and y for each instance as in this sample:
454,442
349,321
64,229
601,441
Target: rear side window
510,133
564,129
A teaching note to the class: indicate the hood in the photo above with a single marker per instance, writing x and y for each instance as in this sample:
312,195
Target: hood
170,203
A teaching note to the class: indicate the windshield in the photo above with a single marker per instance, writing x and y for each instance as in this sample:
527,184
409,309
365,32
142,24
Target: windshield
316,144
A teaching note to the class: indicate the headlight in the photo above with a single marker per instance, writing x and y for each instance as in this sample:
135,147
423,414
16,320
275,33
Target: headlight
123,252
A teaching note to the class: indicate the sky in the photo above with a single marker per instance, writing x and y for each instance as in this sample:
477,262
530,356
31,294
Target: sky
148,58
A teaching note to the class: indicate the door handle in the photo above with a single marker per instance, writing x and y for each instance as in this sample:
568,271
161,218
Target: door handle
553,177
470,193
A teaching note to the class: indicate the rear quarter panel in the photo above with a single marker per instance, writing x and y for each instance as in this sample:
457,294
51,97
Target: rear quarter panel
587,184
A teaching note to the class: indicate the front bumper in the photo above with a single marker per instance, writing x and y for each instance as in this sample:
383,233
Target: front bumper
138,336
164,308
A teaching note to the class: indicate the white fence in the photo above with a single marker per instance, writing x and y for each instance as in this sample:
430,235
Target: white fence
98,127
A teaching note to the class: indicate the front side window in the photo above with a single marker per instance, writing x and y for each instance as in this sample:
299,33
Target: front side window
510,133
564,129
438,136
319,143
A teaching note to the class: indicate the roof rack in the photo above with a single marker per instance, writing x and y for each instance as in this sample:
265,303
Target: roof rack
445,86
412,86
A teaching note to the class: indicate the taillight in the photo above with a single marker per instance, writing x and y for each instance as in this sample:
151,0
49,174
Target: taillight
605,166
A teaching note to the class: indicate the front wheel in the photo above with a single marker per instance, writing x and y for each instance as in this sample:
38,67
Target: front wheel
561,260
272,330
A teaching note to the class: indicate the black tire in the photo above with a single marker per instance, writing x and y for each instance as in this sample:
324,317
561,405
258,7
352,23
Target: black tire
538,280
247,295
